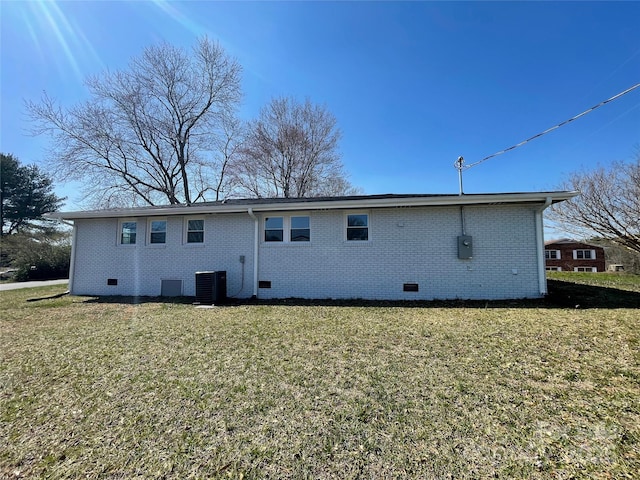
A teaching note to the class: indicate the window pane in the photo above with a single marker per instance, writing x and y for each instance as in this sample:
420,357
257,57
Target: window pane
273,235
158,226
300,235
195,225
158,237
273,223
299,222
357,220
195,237
357,234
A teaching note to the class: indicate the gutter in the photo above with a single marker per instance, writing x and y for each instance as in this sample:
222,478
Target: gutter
542,275
256,240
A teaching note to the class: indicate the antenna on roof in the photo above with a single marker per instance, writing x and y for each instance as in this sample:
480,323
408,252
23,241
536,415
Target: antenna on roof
459,164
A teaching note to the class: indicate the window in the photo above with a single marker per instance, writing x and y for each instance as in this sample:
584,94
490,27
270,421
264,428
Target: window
195,231
584,254
358,227
300,231
128,232
585,269
297,228
273,229
553,269
552,254
157,231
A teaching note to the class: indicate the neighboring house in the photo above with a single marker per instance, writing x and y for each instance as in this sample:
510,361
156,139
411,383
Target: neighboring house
571,256
383,247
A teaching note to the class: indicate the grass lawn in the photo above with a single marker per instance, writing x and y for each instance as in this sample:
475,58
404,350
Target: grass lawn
104,388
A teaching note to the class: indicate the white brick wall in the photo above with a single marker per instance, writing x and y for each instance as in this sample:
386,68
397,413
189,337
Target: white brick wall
407,245
139,268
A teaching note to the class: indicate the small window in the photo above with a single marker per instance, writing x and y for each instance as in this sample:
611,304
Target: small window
128,232
300,231
584,254
585,269
273,229
157,231
553,269
552,254
195,231
358,227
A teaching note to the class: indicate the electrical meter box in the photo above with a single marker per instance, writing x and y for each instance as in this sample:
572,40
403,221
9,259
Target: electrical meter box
465,247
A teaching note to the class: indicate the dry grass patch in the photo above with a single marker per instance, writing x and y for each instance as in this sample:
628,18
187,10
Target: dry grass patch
160,390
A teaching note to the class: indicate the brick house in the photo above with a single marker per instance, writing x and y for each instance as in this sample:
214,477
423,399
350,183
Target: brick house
571,256
379,247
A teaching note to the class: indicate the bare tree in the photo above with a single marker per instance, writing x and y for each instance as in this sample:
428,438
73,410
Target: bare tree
608,205
147,133
292,151
220,182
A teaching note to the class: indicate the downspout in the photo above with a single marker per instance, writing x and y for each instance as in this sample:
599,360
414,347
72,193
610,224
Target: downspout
256,240
542,275
72,261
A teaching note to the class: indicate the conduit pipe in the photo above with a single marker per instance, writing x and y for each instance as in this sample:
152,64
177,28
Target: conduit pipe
542,275
256,243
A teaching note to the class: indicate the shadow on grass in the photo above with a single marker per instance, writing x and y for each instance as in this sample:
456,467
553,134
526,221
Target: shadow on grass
561,295
575,295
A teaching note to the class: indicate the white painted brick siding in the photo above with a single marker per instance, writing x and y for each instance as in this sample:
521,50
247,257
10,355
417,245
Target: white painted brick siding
406,245
140,268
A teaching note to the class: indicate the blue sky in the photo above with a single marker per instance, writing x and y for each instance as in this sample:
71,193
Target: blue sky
413,85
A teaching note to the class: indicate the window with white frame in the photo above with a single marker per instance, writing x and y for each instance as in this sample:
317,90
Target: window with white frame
584,254
300,230
274,229
195,230
552,254
585,269
358,227
296,227
157,232
127,232
553,269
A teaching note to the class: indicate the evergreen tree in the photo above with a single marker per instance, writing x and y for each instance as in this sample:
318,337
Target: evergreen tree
26,194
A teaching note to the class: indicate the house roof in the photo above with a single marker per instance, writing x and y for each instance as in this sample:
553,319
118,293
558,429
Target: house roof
323,203
568,241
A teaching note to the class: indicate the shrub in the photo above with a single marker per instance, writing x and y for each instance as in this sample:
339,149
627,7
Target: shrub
41,257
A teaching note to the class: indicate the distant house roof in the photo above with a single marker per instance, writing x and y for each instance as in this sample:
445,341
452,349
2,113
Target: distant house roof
323,203
568,241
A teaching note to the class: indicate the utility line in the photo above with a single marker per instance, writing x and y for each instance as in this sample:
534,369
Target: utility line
459,164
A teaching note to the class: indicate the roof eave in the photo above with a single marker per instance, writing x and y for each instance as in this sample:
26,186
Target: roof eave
342,204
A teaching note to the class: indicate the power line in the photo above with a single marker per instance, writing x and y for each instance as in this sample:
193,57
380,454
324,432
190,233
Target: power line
459,164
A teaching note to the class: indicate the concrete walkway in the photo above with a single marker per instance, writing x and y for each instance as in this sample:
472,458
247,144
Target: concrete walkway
43,283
